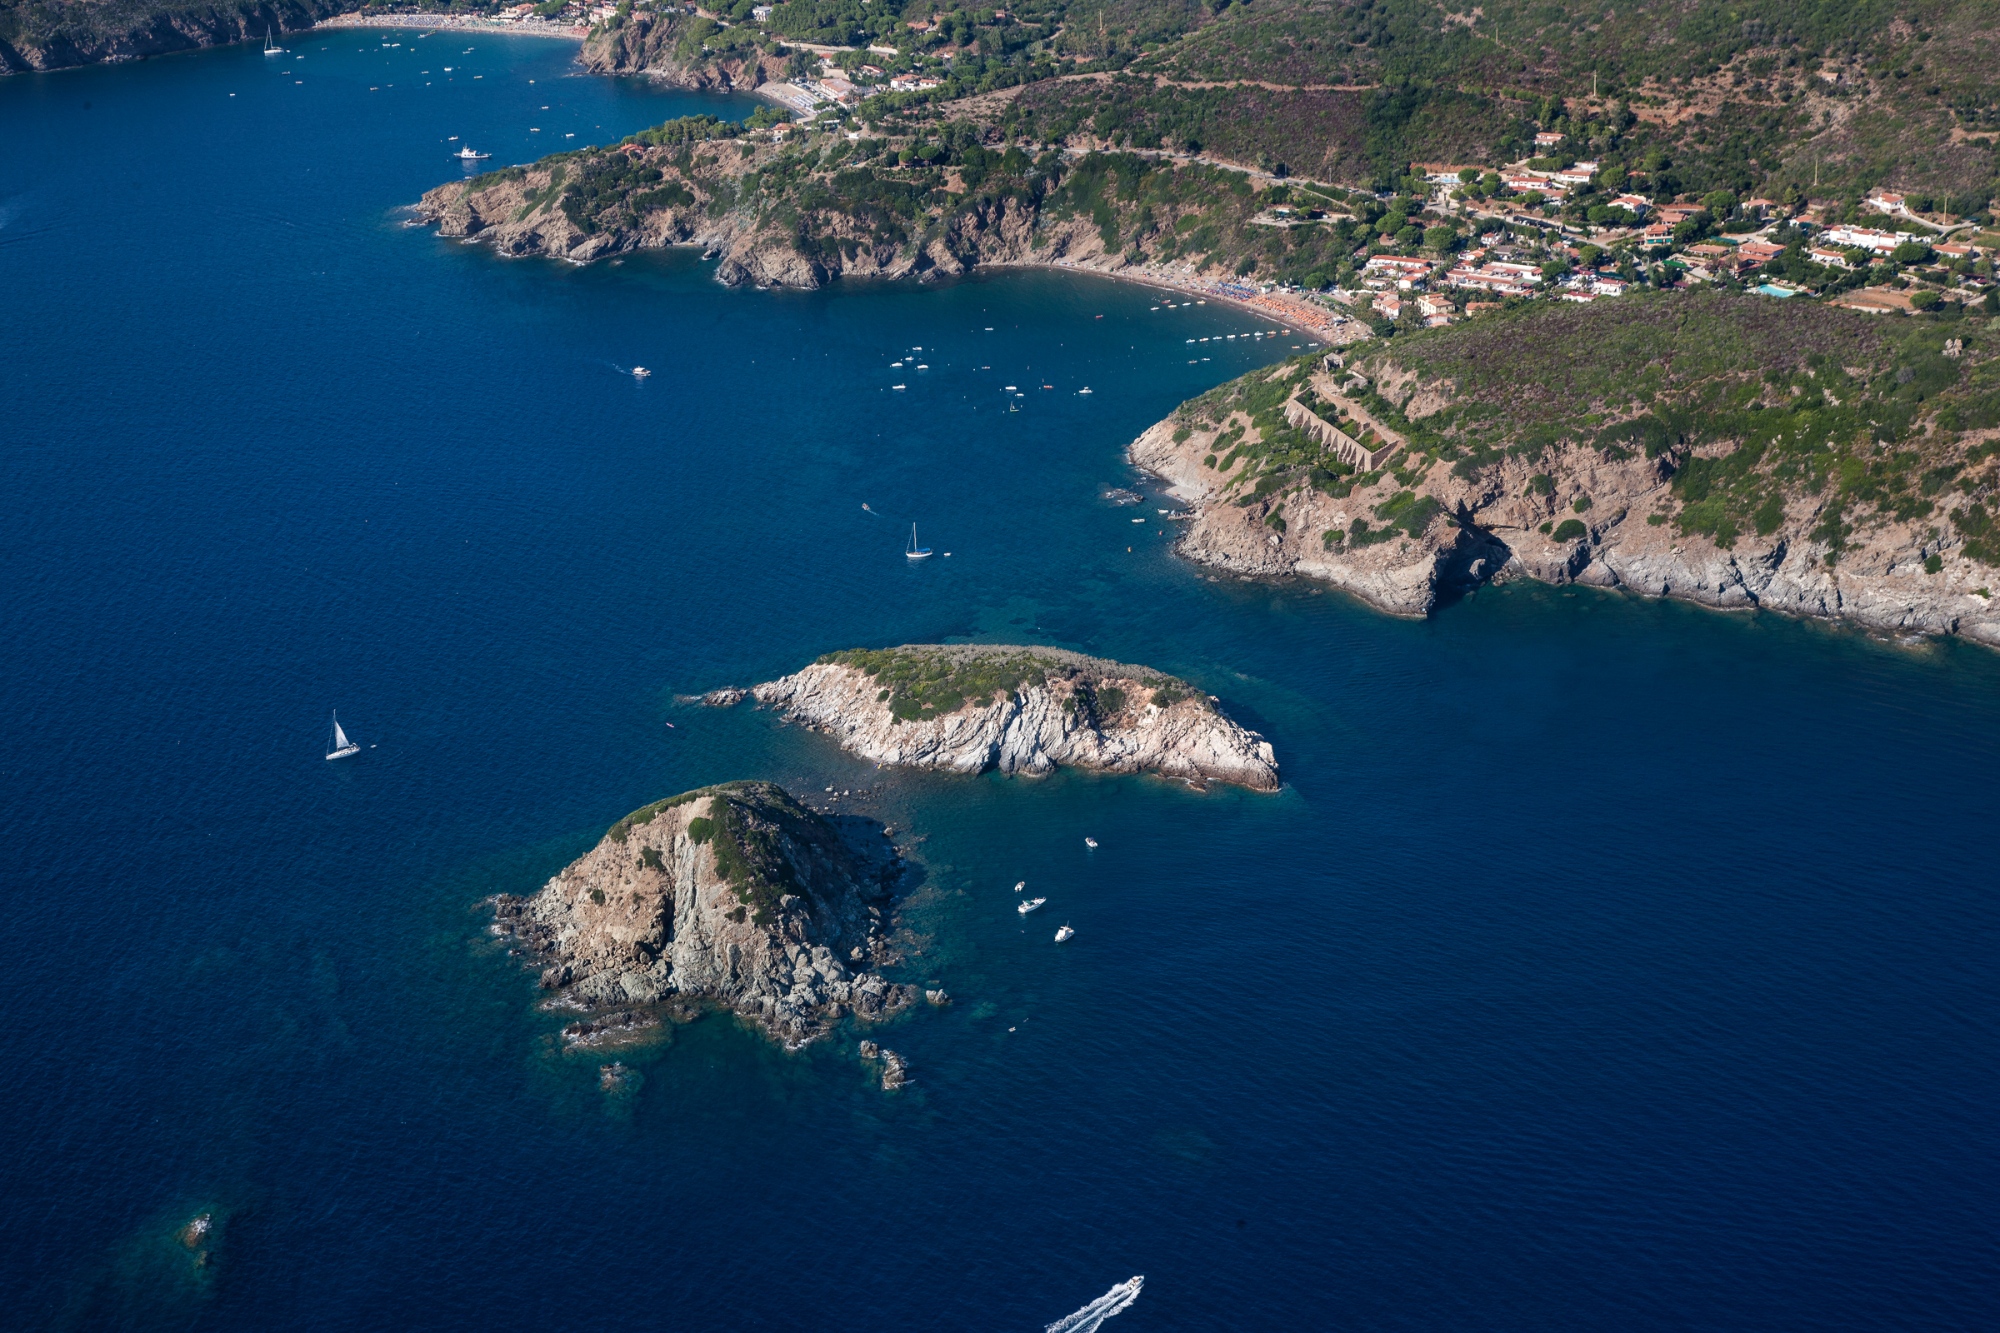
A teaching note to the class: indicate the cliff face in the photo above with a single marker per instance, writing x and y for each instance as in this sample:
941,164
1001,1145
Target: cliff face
1020,710
50,35
734,894
1838,539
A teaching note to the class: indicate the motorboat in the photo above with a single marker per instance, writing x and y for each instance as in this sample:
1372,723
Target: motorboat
1090,842
1030,905
471,154
1064,934
640,373
1022,885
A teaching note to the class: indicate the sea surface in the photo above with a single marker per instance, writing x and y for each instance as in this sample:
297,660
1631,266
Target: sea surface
1603,964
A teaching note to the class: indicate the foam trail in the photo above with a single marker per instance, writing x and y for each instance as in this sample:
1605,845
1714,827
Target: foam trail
1092,1316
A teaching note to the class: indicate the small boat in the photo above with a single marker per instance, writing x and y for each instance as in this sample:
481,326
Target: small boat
271,48
1090,842
471,154
640,373
342,747
1030,905
1022,885
1084,390
923,367
899,387
1064,934
914,551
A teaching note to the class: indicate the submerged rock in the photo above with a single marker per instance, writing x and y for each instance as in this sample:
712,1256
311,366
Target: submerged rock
734,894
973,707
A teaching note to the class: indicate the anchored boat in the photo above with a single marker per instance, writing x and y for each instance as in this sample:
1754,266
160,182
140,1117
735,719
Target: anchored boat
1030,905
914,551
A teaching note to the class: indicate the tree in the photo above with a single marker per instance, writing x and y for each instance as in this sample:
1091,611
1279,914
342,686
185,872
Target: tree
1910,252
1924,300
1440,239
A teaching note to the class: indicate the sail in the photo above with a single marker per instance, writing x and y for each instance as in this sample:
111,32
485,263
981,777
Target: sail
339,736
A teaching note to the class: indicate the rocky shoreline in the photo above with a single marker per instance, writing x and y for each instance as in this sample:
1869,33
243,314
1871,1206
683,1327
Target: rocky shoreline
735,895
975,708
1571,513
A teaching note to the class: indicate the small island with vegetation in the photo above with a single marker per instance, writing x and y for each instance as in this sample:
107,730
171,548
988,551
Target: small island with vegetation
971,708
1719,448
733,895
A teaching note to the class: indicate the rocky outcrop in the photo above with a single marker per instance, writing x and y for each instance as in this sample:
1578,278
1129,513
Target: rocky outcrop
971,708
48,35
1505,521
697,196
734,894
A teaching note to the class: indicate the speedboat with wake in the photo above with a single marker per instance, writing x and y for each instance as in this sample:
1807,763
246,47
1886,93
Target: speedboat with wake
1030,905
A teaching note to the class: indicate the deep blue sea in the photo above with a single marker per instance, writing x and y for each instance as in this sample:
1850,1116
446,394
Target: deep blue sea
1604,964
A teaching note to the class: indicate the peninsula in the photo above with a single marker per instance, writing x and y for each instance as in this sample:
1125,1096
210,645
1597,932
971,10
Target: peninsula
969,708
736,895
1729,450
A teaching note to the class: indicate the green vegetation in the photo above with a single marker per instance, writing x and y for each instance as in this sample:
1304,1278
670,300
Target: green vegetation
926,684
749,827
1758,412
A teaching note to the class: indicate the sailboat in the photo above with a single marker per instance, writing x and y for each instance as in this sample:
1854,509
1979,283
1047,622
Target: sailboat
271,47
342,747
914,551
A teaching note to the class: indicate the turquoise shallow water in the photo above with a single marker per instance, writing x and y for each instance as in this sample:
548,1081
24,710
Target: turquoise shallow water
1603,963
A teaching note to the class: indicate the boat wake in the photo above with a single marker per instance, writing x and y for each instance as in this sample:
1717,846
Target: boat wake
1092,1316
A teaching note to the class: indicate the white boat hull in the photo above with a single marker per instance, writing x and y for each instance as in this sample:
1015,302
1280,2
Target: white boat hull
345,751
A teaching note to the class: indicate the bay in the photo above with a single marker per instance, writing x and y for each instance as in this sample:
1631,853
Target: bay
1603,963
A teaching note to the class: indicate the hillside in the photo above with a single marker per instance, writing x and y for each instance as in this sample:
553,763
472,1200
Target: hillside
1727,449
55,34
801,211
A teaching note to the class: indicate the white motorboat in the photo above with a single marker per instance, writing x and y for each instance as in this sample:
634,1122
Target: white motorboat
1022,885
640,372
1064,934
914,551
1083,390
342,747
1090,842
1030,905
470,154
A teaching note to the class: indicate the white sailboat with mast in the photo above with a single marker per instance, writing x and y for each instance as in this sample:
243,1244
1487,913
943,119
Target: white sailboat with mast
341,746
271,47
914,551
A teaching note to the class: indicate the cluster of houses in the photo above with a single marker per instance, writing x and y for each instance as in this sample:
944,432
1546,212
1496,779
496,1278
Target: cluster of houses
1499,267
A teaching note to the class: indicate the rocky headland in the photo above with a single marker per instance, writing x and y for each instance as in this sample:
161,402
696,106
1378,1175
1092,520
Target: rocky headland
972,708
734,895
1723,449
54,34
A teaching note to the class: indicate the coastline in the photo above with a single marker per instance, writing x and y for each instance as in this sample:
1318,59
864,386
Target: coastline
456,22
